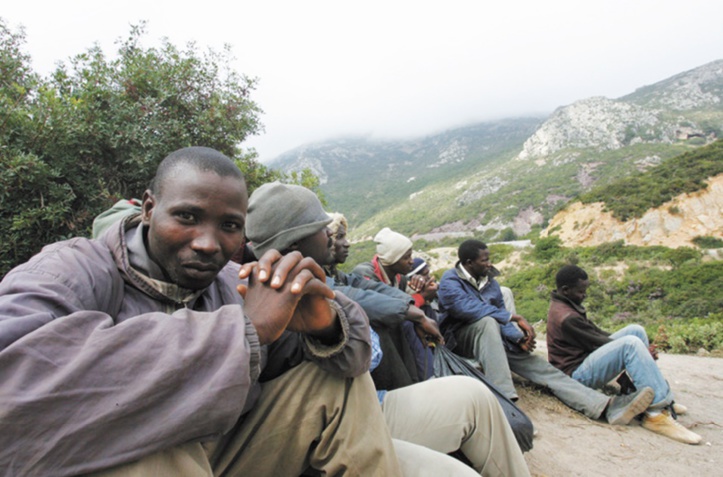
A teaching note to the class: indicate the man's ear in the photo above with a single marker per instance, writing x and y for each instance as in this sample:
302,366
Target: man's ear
149,202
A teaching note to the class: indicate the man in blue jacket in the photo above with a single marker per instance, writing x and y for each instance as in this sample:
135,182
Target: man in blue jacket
483,322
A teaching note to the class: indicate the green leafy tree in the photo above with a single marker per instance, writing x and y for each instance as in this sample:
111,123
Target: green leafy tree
95,130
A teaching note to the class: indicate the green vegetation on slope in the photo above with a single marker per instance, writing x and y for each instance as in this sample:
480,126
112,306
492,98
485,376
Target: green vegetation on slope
513,186
632,196
672,292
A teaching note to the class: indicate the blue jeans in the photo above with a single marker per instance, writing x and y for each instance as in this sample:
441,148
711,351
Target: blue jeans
627,352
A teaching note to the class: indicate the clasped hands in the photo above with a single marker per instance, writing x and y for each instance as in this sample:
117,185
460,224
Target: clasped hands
529,342
288,292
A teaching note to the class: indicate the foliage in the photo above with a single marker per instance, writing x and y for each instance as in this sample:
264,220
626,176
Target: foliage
708,242
95,130
690,336
548,247
632,196
652,286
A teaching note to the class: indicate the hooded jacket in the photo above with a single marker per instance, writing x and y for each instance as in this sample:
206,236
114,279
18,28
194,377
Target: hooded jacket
101,365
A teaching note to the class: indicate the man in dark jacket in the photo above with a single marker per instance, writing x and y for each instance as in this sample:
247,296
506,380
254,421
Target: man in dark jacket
595,357
444,414
481,320
136,353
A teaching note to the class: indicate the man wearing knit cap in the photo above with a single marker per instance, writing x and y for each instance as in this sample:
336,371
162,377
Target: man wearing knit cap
392,261
281,215
290,218
391,265
443,414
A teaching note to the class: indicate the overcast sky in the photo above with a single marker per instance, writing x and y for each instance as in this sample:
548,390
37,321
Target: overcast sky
391,69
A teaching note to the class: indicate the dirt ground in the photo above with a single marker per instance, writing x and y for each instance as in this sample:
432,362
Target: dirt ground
569,444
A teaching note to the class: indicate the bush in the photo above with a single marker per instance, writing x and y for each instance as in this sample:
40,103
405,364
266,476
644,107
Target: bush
94,132
548,248
632,196
706,241
689,337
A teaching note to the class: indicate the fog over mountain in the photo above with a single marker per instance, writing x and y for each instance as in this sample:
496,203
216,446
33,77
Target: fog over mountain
510,176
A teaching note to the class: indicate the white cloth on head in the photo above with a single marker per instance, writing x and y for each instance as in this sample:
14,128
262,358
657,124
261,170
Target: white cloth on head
391,246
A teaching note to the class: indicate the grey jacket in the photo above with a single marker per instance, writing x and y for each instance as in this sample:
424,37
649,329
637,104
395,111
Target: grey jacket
101,365
384,305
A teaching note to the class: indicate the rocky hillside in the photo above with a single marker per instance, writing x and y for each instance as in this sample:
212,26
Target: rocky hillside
363,177
678,108
674,224
504,179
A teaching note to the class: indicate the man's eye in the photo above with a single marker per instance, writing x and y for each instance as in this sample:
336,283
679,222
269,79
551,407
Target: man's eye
185,216
232,226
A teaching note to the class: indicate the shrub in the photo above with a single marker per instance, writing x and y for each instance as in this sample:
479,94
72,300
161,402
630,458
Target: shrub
690,336
548,248
706,241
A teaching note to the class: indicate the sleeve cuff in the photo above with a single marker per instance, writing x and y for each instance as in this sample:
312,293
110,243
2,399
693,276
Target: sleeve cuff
321,350
254,350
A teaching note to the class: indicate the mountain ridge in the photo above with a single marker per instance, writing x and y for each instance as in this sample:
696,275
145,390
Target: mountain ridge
507,178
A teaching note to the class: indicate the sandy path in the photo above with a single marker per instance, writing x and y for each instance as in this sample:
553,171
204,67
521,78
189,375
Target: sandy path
569,444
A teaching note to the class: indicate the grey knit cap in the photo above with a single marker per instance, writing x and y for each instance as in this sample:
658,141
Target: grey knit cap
281,214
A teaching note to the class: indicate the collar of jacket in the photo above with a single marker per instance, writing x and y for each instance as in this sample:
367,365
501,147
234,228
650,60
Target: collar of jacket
157,289
578,308
379,272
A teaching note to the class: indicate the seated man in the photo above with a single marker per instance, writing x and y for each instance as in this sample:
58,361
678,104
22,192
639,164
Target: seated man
481,320
340,246
394,266
444,414
422,285
136,354
594,357
392,262
391,265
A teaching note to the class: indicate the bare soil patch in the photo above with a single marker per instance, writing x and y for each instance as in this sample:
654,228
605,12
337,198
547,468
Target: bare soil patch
570,444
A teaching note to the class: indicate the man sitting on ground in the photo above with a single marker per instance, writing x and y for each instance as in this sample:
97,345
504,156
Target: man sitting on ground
340,246
594,357
444,414
136,354
480,318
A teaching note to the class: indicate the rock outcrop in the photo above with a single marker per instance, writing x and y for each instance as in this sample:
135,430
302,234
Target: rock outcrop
674,224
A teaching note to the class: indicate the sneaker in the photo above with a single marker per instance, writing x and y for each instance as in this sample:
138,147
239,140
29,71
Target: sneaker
666,426
622,409
679,409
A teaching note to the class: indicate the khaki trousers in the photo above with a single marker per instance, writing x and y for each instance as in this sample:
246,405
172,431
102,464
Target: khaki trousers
305,418
456,412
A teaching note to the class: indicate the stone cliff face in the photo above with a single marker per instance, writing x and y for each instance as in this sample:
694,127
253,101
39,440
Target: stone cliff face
652,114
674,224
699,88
598,123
